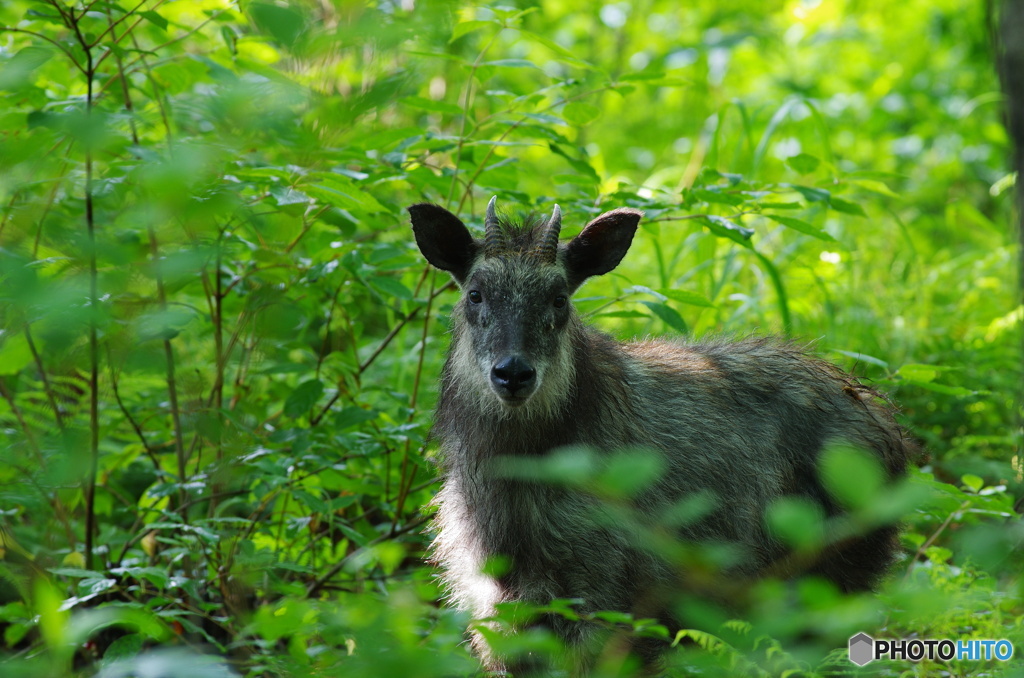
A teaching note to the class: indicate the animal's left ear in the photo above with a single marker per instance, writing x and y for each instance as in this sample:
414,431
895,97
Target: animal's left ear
601,245
443,239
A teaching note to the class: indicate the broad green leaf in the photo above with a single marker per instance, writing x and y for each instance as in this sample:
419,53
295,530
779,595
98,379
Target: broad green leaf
391,286
875,187
467,27
352,416
511,63
958,391
16,71
802,227
847,207
303,398
798,521
580,113
813,194
803,163
286,195
562,53
717,197
15,354
284,22
431,105
340,191
686,297
853,476
918,373
724,228
973,482
154,19
669,315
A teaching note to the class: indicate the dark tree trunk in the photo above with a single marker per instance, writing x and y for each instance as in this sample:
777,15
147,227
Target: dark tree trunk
1010,61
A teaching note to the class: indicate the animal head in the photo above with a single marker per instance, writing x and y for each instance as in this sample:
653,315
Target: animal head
512,343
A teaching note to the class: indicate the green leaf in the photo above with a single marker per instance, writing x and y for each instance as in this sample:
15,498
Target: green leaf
124,647
467,27
562,53
284,23
875,187
724,228
802,227
286,195
303,398
847,207
155,19
812,194
803,163
430,105
686,297
642,76
352,416
580,113
797,520
391,286
851,475
669,315
16,71
512,63
958,391
15,354
918,373
972,482
717,197
342,192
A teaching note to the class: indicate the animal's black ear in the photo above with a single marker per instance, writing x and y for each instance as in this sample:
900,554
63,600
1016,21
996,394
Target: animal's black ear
443,239
601,245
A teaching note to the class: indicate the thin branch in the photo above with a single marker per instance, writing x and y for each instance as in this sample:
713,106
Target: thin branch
47,389
490,151
467,103
403,485
172,389
380,347
935,535
114,24
317,585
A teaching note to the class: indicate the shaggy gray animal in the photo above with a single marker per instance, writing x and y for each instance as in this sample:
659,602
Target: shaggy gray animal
741,422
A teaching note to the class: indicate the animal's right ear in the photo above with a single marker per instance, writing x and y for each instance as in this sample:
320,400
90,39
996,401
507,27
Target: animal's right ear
443,239
601,245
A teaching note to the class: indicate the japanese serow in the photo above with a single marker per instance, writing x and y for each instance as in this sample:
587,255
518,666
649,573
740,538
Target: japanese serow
743,422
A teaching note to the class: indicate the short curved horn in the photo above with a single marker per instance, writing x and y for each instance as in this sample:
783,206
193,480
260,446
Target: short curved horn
494,239
547,247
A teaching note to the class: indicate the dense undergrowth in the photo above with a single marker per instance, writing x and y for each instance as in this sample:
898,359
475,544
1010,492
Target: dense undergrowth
219,346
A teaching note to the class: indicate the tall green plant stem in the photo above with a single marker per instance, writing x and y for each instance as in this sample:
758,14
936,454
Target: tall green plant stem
172,388
89,70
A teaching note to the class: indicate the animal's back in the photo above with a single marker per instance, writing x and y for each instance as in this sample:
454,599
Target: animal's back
748,421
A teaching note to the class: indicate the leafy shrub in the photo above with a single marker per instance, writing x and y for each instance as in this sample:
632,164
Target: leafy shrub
219,346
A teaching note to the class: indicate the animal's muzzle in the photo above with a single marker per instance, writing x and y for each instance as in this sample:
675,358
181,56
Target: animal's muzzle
513,379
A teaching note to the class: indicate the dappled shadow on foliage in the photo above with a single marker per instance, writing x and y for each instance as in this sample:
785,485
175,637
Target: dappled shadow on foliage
219,346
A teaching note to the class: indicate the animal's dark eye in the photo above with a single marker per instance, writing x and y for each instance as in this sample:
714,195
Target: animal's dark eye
560,301
475,296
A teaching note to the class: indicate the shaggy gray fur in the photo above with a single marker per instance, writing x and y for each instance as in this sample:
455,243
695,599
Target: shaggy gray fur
740,422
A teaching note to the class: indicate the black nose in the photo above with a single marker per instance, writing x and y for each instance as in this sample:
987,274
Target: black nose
513,374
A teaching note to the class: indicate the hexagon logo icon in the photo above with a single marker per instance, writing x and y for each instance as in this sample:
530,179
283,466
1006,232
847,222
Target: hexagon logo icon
862,649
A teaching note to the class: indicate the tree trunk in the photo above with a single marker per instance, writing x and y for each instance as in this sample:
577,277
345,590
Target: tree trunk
1010,61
